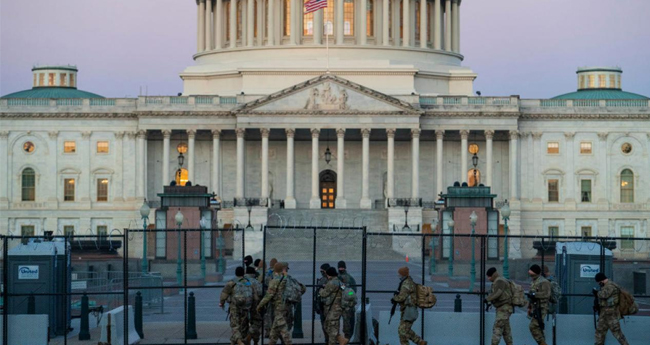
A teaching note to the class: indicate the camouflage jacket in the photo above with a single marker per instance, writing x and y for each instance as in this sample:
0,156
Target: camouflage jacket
608,296
229,290
348,280
405,296
331,296
500,293
542,289
258,290
274,294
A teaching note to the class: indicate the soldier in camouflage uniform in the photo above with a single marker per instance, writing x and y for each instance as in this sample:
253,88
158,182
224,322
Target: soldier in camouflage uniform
290,308
501,298
318,304
268,315
331,295
542,290
348,315
255,323
404,298
608,299
274,297
238,318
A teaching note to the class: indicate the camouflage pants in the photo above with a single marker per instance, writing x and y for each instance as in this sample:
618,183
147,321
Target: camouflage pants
279,329
608,320
536,329
502,325
406,333
348,323
268,321
324,326
332,327
255,328
289,310
238,324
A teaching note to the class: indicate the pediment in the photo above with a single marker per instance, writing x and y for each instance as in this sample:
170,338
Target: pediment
327,94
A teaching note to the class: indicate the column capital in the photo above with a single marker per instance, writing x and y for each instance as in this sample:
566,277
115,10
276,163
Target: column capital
390,132
86,134
5,134
415,133
464,134
141,134
216,133
526,134
240,132
440,134
51,134
340,133
365,132
537,135
131,135
265,132
118,135
569,135
602,136
167,133
315,132
514,135
489,134
291,133
191,133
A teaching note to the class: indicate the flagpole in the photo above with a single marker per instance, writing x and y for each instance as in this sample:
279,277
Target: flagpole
327,42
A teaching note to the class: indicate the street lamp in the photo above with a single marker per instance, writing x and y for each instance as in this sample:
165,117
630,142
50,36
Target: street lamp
472,272
249,205
144,213
450,225
179,271
181,148
505,214
205,224
432,244
328,153
406,226
475,164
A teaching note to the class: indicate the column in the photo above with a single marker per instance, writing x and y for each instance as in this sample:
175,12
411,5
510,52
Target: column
424,27
118,180
270,24
191,135
314,202
415,162
216,152
140,165
390,157
603,195
290,201
239,192
338,20
570,181
464,134
293,39
396,22
318,28
4,161
378,22
514,194
489,135
129,185
365,195
201,26
340,167
233,23
265,162
244,25
440,134
385,26
406,17
437,32
250,23
530,176
537,178
260,23
448,21
455,43
208,25
165,161
363,14
218,24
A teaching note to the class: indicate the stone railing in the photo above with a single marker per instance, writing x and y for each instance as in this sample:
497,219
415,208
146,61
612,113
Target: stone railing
447,102
585,103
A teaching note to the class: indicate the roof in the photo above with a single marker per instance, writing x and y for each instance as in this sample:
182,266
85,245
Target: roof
52,92
600,94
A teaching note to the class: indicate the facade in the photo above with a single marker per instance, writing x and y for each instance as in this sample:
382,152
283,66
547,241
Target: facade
388,115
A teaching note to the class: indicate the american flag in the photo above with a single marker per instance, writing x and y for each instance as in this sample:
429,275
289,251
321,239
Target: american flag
315,5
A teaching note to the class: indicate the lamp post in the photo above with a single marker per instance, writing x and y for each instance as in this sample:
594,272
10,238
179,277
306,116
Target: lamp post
144,213
472,271
249,206
181,148
475,164
450,225
432,244
179,271
505,214
204,223
406,226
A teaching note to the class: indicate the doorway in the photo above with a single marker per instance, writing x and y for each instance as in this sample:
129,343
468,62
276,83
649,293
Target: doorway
327,188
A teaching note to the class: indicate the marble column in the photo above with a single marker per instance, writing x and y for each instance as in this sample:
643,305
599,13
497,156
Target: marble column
604,190
424,25
318,29
363,17
448,25
530,173
514,193
165,161
537,178
396,22
385,26
415,162
208,25
390,157
218,24
265,162
290,200
455,42
314,202
464,134
260,23
406,24
340,167
140,178
293,39
118,179
244,25
4,163
440,135
233,23
130,185
570,182
366,203
338,16
250,23
191,136
270,29
239,191
201,26
489,135
216,153
437,25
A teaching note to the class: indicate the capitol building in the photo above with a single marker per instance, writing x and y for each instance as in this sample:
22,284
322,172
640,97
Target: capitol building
339,117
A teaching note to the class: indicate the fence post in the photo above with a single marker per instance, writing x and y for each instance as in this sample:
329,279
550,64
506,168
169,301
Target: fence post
31,305
138,314
191,317
458,305
84,329
297,322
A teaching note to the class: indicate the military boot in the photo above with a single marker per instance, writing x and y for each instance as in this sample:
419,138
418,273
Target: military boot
342,340
240,342
422,342
247,341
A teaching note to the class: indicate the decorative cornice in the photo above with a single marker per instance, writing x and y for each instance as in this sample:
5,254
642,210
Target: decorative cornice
329,113
365,132
390,132
440,134
415,133
265,132
131,135
216,133
315,132
240,132
604,116
291,133
86,134
70,115
119,135
603,136
53,134
489,134
471,114
514,135
537,135
166,133
340,133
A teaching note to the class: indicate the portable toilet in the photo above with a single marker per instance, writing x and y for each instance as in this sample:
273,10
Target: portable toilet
576,266
41,268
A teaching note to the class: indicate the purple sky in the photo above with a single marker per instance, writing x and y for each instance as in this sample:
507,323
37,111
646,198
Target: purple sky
518,47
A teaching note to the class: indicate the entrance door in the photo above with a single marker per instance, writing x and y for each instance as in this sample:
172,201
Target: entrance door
328,189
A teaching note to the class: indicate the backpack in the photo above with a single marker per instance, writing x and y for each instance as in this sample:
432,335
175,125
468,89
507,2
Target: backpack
556,292
518,297
626,303
242,296
292,291
258,290
348,298
424,297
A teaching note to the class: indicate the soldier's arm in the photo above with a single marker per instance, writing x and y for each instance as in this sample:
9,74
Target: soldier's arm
497,291
606,291
327,290
273,288
226,292
303,288
544,291
403,294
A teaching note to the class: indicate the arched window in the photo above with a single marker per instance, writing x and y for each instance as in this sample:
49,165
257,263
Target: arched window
28,185
181,177
627,186
471,181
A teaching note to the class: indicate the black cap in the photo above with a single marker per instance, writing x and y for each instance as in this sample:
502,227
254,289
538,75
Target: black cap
491,271
536,269
248,260
257,262
239,271
600,276
325,266
341,264
332,272
250,270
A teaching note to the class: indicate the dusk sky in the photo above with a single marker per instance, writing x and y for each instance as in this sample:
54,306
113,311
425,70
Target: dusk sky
530,48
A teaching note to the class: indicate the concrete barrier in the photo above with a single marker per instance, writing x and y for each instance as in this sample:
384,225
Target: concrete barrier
442,328
26,329
115,318
370,334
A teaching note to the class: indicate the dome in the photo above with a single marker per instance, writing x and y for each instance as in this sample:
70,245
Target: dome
600,83
53,82
600,94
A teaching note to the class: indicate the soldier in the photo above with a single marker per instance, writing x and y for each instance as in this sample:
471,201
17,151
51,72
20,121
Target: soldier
318,305
500,296
608,299
268,315
539,294
248,260
405,298
238,314
348,314
331,295
255,324
290,307
274,297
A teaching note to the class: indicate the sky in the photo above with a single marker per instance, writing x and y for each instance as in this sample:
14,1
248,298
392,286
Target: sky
530,48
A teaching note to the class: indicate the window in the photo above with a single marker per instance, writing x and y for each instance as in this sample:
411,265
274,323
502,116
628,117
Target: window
68,230
370,18
181,177
585,231
102,189
585,190
102,231
28,181
581,83
627,186
102,147
28,147
27,230
553,191
63,78
554,231
612,81
72,82
328,18
239,15
601,81
585,148
592,81
618,82
348,18
68,189
41,79
35,80
50,79
69,147
287,17
553,148
627,231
